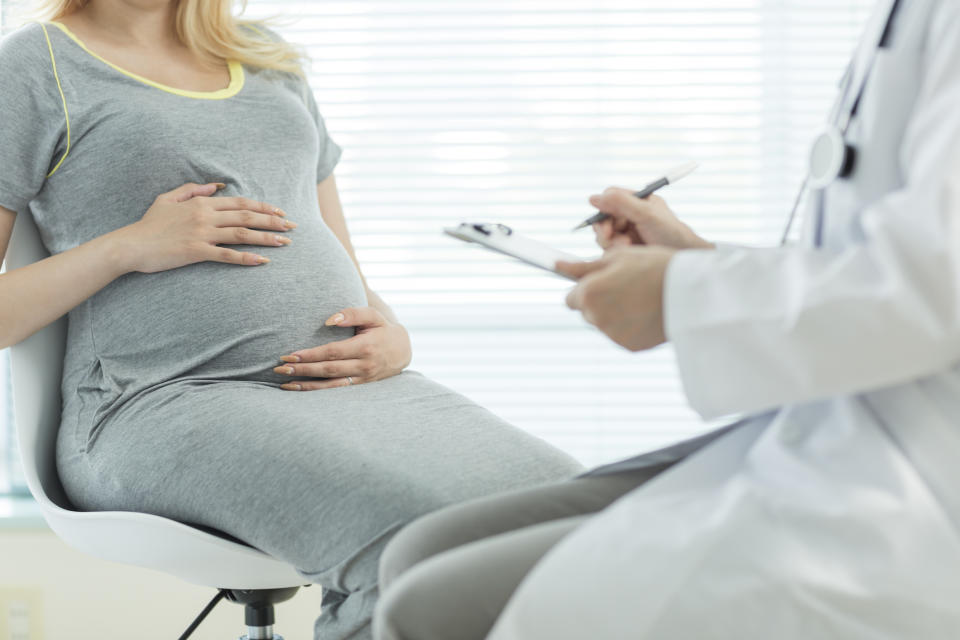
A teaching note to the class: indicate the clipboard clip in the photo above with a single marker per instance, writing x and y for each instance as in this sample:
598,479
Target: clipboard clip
488,229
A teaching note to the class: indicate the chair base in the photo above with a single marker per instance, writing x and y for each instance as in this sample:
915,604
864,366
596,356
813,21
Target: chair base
258,609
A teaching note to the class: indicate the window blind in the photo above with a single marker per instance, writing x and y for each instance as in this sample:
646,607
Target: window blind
515,111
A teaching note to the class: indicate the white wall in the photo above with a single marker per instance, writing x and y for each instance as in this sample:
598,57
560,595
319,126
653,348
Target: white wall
83,598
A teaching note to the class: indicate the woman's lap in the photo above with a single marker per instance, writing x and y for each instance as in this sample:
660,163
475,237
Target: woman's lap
313,477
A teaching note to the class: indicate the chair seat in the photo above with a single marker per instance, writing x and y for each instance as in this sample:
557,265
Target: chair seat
169,546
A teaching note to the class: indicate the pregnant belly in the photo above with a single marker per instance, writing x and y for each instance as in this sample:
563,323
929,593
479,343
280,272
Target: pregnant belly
223,321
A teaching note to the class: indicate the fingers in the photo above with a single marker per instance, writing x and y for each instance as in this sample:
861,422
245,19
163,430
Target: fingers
251,219
351,348
313,385
580,269
334,362
236,203
603,231
192,190
243,235
231,256
576,296
357,317
359,369
619,240
589,273
623,205
612,233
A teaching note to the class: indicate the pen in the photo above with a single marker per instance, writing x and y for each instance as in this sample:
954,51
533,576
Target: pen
671,176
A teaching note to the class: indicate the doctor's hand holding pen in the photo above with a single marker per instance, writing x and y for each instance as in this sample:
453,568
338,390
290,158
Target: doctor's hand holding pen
622,292
647,221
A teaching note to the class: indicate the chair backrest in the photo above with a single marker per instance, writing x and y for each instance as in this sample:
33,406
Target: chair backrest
37,364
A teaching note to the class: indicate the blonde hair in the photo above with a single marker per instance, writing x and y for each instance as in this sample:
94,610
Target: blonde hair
208,28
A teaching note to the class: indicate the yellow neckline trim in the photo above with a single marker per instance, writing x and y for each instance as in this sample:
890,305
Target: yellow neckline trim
235,68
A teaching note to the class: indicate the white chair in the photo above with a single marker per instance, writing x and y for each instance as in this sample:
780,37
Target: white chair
239,572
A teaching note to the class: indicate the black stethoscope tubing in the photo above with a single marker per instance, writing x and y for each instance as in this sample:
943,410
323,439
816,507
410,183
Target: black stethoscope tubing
830,144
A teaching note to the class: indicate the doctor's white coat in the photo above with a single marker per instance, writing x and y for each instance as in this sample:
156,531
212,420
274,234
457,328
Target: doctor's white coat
833,512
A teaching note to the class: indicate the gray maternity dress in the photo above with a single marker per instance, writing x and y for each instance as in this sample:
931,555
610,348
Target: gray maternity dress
170,404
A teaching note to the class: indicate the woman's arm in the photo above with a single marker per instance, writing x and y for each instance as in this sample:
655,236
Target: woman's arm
182,227
37,294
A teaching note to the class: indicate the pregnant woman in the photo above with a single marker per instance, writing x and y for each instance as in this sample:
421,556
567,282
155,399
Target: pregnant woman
226,363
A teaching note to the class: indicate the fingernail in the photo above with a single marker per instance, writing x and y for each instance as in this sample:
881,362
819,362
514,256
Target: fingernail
262,260
291,386
279,211
220,185
284,370
335,319
594,198
289,225
282,239
290,358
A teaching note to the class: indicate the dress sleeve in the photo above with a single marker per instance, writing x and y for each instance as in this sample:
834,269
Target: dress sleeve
329,150
32,117
758,329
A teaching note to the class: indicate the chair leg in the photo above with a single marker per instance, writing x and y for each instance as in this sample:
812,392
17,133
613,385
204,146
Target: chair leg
258,610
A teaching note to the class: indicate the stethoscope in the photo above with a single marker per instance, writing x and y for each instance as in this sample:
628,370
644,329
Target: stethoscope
831,156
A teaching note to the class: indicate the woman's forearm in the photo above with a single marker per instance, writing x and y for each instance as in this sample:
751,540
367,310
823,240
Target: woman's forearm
35,295
377,303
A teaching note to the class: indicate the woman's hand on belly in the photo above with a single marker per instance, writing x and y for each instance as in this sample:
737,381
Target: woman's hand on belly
380,349
186,225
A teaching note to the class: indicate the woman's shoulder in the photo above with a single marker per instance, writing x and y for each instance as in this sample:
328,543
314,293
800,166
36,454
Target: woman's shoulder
25,45
24,51
25,58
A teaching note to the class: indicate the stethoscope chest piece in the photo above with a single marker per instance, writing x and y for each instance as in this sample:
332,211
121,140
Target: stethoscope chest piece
830,158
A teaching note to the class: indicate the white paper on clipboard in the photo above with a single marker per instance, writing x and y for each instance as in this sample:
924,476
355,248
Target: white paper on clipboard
502,239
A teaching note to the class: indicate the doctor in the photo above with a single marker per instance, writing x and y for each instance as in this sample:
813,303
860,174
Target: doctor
832,510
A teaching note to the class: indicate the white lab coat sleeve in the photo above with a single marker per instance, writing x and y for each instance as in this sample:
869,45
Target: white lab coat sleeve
755,329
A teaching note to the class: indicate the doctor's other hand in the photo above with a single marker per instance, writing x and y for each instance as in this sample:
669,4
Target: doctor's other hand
648,221
622,294
380,349
186,225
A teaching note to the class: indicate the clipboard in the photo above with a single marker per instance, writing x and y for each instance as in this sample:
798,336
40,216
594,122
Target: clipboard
502,239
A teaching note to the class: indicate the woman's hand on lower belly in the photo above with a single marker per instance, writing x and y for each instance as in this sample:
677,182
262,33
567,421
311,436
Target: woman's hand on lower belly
380,349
